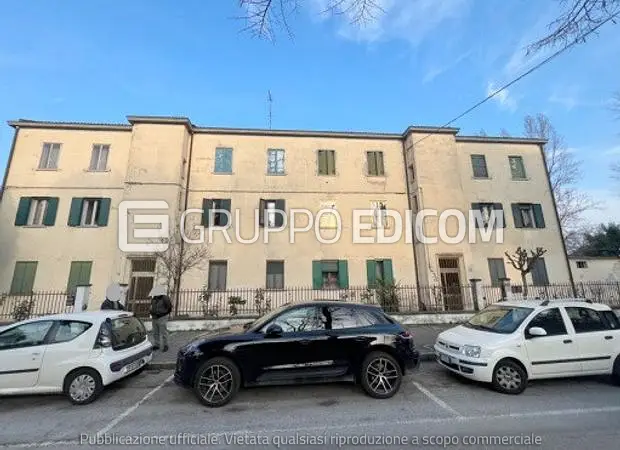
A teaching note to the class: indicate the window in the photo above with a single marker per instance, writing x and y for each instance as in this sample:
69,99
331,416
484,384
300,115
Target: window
379,216
27,335
330,274
517,169
23,277
612,320
582,264
68,330
213,212
89,212
49,156
327,162
539,273
223,160
586,320
528,215
298,320
375,164
275,275
338,318
275,161
127,332
99,158
497,271
551,321
217,275
499,319
36,211
379,270
143,272
271,213
486,211
479,166
79,275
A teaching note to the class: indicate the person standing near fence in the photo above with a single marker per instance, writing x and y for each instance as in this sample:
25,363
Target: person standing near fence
113,298
161,306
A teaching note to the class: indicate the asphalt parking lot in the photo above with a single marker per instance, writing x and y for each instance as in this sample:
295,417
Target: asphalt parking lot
434,409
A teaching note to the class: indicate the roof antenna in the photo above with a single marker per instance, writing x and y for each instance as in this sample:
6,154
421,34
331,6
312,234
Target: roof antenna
270,100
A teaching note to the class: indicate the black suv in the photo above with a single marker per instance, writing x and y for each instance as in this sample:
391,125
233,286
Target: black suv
310,342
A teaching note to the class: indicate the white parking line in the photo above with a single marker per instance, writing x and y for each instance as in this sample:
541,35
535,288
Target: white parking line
128,411
332,427
436,399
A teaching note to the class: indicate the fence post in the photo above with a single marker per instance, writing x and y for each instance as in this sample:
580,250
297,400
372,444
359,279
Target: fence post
82,292
474,292
505,287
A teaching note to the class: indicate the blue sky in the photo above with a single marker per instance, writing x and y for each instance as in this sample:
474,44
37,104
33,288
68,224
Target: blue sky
422,63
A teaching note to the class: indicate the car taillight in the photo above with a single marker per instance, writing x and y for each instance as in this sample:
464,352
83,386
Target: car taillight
104,338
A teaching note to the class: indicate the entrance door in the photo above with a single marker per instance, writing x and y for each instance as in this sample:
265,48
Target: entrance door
451,284
140,285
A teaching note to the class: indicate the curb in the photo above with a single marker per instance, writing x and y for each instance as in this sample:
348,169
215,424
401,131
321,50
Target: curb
170,365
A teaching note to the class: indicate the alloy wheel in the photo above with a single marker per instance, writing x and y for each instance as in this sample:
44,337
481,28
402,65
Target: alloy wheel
382,376
508,378
82,387
216,383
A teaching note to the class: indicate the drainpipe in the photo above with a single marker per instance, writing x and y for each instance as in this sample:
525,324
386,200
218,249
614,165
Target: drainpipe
557,218
177,293
8,164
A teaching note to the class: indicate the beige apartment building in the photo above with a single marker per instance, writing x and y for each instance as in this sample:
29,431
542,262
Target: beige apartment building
64,183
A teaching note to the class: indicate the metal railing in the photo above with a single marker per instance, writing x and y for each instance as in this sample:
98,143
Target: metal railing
253,302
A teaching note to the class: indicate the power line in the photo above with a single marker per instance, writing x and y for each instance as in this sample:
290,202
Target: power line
536,67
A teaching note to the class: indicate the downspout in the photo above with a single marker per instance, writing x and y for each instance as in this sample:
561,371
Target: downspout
415,257
8,164
177,293
557,218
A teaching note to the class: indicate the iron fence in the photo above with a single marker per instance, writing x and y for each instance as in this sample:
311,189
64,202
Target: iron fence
253,302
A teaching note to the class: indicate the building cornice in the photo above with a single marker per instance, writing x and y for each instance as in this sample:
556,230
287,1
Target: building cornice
501,140
23,123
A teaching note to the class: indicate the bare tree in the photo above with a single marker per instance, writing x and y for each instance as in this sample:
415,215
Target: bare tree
482,133
264,17
504,133
524,262
564,173
179,258
578,18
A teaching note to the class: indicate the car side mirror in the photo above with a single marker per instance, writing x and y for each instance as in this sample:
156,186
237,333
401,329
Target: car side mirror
273,330
537,331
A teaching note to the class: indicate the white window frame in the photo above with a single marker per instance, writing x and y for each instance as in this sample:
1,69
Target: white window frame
99,149
275,162
270,213
45,162
379,217
93,219
37,206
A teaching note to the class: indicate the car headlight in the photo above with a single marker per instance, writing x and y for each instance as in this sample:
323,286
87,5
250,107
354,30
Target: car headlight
473,351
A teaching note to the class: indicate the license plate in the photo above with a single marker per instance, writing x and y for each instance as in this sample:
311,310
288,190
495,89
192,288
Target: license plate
134,365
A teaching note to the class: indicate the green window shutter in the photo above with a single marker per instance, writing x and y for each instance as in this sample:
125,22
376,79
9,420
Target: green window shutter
50,215
75,213
23,277
371,273
206,206
343,273
280,205
380,166
23,209
499,212
262,205
372,163
331,162
475,207
388,271
516,215
104,212
322,155
317,275
79,274
225,204
538,215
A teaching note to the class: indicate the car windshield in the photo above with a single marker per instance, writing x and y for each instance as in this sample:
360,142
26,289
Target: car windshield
253,326
127,331
499,319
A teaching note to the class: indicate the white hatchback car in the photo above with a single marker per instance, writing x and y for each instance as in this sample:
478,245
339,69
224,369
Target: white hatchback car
511,342
76,354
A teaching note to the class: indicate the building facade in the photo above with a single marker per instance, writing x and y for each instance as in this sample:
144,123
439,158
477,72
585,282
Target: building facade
588,269
64,184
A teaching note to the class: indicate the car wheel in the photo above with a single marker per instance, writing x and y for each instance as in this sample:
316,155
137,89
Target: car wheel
217,382
509,377
83,386
615,374
380,375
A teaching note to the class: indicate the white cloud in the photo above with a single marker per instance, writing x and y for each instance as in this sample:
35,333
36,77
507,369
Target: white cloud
610,206
503,98
613,151
567,101
409,20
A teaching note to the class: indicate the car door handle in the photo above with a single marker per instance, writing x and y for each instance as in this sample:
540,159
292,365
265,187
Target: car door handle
567,341
36,354
609,337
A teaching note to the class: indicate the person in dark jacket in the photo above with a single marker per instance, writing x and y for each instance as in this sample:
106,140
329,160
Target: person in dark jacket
161,306
112,298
